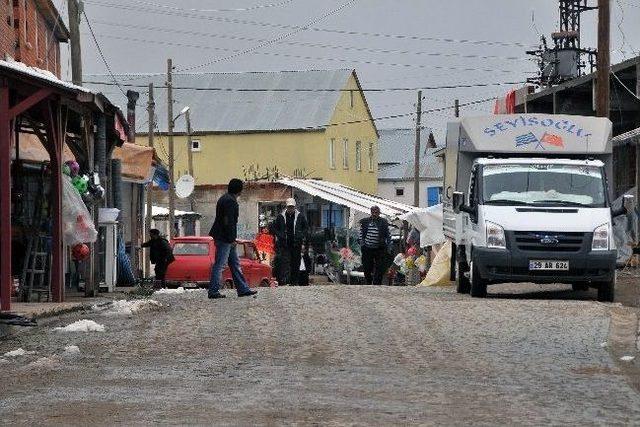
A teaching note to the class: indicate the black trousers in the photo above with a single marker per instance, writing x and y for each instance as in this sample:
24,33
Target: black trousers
161,271
289,263
373,264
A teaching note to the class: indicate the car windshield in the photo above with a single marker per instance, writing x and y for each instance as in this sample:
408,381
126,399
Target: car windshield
543,185
188,248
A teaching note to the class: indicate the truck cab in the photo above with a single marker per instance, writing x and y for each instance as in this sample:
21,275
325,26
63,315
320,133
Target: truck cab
517,212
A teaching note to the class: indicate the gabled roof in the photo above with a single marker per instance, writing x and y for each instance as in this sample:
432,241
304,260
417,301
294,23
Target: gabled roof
397,146
253,101
431,167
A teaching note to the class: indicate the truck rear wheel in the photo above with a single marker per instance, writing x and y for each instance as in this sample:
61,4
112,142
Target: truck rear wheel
478,286
463,284
606,290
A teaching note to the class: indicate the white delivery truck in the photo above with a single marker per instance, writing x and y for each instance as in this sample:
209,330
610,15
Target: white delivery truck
527,199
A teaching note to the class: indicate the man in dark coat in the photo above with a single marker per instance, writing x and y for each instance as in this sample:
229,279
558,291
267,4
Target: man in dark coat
291,230
224,232
374,241
160,254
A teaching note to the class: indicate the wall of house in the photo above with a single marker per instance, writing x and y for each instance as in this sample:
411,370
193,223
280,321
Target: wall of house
225,156
27,36
387,190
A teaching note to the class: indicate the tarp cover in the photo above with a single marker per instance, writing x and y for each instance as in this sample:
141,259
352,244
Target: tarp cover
137,161
428,221
32,150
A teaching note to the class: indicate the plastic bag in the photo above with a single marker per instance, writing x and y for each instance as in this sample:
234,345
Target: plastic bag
77,223
440,270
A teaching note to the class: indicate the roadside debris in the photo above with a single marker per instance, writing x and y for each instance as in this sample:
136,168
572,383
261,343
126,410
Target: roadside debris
18,352
627,358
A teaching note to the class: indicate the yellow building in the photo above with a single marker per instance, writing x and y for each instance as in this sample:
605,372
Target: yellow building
313,124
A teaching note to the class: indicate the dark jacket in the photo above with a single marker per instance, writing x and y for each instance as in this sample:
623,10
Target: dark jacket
300,231
225,226
383,230
160,251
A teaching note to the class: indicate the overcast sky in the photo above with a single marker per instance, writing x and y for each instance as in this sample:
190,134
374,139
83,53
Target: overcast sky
486,43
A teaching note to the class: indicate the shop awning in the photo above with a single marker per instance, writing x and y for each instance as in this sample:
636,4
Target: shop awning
349,197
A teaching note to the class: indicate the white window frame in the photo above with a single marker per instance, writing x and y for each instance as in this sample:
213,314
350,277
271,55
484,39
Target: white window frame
371,168
358,156
345,153
193,145
332,153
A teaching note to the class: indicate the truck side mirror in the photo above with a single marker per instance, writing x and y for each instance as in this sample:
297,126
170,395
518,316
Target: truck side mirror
627,202
457,201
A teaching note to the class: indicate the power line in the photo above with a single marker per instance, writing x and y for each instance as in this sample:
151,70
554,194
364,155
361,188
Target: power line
324,30
106,63
292,43
305,57
273,40
392,89
243,9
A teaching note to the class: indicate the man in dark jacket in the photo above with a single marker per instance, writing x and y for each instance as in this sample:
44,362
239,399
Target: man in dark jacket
374,241
224,232
291,230
160,255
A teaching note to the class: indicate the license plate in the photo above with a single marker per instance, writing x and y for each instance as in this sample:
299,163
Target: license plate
548,265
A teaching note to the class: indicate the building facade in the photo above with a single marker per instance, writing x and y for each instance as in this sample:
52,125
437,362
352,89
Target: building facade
32,31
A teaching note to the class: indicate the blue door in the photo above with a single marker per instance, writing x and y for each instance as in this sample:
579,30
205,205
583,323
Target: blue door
433,195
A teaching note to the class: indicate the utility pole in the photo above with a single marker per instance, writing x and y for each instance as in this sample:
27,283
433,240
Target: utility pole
172,195
74,35
604,62
151,111
456,107
416,159
187,117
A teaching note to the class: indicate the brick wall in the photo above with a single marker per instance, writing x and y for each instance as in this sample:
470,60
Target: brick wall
27,36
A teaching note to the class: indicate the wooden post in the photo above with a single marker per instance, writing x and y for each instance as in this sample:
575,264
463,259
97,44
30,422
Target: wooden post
74,35
604,62
55,151
5,199
416,158
151,108
172,194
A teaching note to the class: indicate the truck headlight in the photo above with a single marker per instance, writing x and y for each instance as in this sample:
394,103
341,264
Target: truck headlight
495,236
601,238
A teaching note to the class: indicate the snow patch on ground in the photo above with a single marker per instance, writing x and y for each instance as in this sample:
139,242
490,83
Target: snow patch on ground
18,352
82,326
124,307
71,350
167,291
627,358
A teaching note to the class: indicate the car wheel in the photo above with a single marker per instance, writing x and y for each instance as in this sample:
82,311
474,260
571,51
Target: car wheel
478,286
463,284
606,290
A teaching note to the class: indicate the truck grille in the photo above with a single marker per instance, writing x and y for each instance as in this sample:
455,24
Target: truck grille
541,241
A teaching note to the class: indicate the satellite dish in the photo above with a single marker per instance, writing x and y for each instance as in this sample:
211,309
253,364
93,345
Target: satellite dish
185,186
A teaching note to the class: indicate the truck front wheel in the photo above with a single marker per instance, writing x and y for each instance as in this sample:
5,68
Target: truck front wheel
478,286
606,290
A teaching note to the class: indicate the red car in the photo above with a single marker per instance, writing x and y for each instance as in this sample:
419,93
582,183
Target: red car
195,256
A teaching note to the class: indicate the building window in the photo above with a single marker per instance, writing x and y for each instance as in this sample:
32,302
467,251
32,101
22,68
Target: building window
332,153
400,191
358,155
345,153
195,145
371,157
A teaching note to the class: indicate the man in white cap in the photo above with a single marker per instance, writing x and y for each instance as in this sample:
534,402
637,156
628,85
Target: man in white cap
291,230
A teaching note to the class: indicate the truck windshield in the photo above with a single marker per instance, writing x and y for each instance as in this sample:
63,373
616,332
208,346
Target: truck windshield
543,185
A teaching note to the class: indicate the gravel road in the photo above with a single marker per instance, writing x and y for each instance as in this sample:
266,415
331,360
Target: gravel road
326,355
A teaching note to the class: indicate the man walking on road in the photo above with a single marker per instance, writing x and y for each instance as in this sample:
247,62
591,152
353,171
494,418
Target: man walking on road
374,240
224,232
291,229
160,255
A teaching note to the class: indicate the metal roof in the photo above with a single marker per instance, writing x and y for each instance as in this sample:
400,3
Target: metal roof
431,167
397,145
226,105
